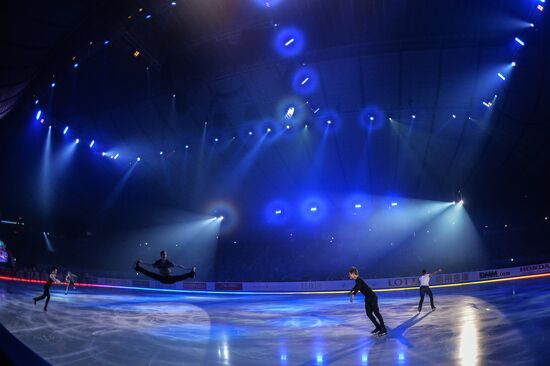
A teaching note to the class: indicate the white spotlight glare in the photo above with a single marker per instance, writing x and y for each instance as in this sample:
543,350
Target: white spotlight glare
161,153
116,156
454,115
103,153
77,141
92,143
413,116
313,209
358,205
289,42
278,212
513,63
66,130
393,204
138,158
268,129
519,41
501,76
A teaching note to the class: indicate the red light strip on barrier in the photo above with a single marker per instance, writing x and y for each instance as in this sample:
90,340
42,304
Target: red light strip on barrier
281,293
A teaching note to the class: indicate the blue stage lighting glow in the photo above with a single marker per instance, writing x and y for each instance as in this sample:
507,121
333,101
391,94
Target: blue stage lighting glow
66,130
187,146
305,80
358,205
519,41
393,204
249,133
116,156
501,76
454,116
38,114
290,112
53,85
488,105
148,16
513,63
413,116
268,129
287,127
75,65
92,143
316,110
216,139
173,3
313,209
401,356
103,153
138,158
289,42
328,120
106,42
278,212
36,101
372,118
161,153
319,358
77,141
364,358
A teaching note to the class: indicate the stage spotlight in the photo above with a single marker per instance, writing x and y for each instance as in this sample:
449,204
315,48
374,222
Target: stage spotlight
513,63
289,42
36,101
38,114
116,156
290,112
329,122
313,209
173,3
268,129
75,65
49,127
106,42
187,146
161,153
249,133
66,130
221,218
413,116
519,41
92,144
317,110
393,204
53,85
287,127
148,16
540,7
371,118
278,212
77,141
103,153
216,139
461,202
358,205
138,158
304,81
454,115
501,76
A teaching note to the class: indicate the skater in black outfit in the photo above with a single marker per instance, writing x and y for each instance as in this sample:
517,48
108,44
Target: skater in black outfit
371,301
165,269
425,288
47,285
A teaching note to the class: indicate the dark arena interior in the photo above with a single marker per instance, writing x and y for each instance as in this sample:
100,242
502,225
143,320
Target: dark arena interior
274,182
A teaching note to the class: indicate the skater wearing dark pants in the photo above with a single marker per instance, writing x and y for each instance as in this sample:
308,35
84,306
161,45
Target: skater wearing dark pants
425,288
165,269
70,279
371,301
47,285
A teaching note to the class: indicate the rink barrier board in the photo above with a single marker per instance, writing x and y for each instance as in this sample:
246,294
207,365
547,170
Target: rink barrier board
320,287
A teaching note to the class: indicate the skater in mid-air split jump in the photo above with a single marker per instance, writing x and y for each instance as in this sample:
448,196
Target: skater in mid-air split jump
164,267
371,301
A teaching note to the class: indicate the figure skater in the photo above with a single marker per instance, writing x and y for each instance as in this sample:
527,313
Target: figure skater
47,285
425,288
164,267
70,279
371,301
